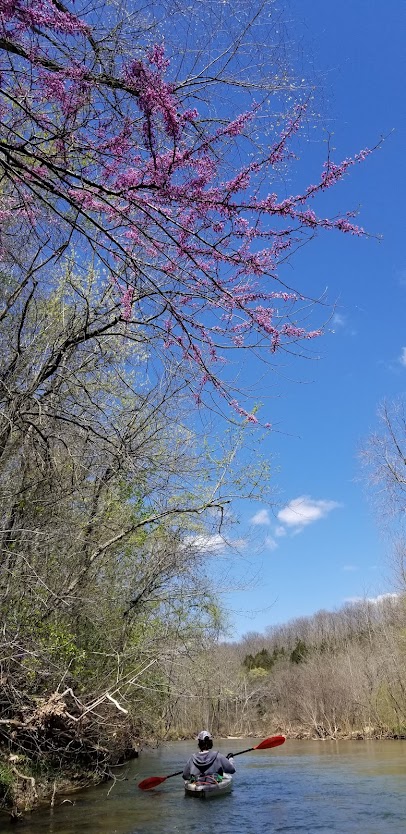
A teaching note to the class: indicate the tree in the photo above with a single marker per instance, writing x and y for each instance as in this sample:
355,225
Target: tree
106,495
108,150
384,461
262,660
299,653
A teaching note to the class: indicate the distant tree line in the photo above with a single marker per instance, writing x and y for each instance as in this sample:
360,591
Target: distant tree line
335,674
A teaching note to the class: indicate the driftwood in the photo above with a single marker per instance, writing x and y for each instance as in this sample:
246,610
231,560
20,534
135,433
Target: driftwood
61,729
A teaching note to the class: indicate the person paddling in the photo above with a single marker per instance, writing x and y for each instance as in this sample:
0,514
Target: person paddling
266,744
207,762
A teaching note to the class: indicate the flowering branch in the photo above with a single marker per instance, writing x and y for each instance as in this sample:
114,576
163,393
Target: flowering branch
111,152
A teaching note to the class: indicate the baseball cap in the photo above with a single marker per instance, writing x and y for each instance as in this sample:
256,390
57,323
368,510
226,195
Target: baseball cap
204,734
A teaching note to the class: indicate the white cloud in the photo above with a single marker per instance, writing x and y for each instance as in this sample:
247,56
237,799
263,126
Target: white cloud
261,517
240,544
207,544
382,598
213,544
350,567
270,543
338,320
373,600
280,531
402,357
305,510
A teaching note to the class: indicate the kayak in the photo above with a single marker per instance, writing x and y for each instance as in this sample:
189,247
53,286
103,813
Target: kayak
208,788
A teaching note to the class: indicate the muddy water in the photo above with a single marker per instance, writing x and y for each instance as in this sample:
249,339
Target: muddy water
300,788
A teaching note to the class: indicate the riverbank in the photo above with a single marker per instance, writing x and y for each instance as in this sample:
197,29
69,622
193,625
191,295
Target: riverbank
57,745
23,789
364,734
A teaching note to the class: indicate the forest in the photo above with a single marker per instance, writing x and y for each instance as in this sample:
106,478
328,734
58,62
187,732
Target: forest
333,675
142,227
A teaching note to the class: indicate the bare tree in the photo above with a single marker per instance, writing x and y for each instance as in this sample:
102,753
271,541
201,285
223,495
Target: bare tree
384,461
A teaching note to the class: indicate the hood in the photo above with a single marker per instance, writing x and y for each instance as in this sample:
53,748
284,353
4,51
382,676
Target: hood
207,757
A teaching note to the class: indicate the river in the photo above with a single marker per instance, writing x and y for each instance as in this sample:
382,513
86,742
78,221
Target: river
301,788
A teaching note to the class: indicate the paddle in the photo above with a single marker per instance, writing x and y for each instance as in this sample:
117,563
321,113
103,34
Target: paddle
266,744
153,781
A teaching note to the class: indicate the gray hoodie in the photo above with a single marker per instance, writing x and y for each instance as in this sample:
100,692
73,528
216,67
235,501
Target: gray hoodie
207,763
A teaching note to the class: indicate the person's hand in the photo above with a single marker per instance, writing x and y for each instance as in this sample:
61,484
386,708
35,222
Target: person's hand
229,755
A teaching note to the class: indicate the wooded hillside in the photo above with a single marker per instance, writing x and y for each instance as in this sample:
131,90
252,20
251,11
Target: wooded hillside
333,675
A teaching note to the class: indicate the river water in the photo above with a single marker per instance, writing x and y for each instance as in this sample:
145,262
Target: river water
300,788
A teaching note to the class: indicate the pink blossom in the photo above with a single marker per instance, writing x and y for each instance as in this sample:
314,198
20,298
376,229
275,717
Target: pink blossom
126,303
156,55
42,13
147,188
237,126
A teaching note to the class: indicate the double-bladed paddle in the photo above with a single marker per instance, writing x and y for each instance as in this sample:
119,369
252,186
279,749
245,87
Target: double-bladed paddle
266,744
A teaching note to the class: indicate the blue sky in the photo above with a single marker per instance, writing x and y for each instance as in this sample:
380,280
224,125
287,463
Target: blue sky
321,545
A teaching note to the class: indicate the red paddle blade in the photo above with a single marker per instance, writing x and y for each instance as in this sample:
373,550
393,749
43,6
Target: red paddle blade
272,741
151,782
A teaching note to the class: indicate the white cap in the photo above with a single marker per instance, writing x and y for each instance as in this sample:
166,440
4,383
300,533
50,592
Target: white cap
204,734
